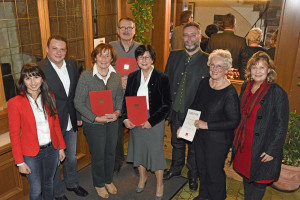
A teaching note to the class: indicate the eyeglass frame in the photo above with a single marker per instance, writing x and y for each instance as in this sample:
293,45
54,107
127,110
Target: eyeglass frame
129,28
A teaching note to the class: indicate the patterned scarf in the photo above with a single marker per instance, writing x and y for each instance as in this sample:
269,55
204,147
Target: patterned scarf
240,131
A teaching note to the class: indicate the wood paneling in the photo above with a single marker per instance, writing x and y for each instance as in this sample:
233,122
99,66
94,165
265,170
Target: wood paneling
44,23
161,32
287,52
3,121
88,32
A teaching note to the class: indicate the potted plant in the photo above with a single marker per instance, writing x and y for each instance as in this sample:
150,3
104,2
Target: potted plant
289,179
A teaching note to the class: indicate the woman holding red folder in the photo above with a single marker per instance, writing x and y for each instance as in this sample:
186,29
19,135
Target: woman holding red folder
145,147
101,131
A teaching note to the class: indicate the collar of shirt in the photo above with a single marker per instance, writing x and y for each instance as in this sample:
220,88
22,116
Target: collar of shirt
63,67
110,70
33,102
131,45
195,55
142,76
228,31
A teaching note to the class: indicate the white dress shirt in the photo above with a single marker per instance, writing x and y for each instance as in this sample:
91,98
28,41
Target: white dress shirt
110,70
42,125
65,79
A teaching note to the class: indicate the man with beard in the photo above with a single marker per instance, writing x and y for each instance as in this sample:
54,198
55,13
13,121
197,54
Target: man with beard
185,68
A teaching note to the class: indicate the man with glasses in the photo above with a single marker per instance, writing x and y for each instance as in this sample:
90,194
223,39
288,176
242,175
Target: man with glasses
125,47
185,69
62,77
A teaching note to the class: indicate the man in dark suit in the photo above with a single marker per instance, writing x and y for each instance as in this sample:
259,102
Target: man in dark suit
185,69
62,77
229,41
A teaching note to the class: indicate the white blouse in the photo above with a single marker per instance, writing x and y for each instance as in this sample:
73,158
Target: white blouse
143,89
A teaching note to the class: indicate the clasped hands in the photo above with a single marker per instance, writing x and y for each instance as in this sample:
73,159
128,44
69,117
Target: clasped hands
108,117
128,124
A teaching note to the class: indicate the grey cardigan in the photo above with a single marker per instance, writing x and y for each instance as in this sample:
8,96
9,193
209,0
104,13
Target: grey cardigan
87,83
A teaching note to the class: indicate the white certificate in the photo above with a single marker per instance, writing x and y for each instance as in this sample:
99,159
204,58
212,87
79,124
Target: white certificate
188,129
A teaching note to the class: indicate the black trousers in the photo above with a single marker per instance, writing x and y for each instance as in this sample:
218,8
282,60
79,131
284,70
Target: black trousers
119,159
210,159
253,190
179,146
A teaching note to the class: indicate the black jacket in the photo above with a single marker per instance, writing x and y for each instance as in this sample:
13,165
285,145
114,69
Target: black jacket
158,93
235,44
64,103
269,134
197,71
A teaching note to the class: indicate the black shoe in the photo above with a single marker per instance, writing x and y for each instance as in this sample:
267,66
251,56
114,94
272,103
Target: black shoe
169,174
79,191
193,184
61,198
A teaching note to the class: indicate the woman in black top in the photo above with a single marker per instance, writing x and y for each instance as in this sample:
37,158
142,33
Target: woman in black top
218,102
253,39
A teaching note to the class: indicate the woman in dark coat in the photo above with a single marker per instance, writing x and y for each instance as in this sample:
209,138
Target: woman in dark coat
261,133
145,148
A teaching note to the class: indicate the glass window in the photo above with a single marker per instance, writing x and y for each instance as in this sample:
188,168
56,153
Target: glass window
20,41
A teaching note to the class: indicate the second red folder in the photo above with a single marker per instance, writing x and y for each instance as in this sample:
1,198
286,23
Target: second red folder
101,102
137,109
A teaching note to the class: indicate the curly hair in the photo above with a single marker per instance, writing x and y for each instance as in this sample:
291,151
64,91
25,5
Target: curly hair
262,56
224,54
254,36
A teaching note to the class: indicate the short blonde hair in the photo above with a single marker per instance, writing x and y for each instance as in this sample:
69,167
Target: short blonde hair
221,53
254,36
258,56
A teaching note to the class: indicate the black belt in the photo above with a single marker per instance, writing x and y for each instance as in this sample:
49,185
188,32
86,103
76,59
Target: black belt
45,146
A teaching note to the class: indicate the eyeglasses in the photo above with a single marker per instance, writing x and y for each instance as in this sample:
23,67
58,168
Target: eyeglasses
216,67
146,58
123,28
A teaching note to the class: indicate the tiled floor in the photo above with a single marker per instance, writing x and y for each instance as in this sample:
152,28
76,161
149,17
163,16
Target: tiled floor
235,191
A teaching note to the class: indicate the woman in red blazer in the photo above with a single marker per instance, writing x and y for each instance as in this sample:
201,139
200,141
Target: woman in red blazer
35,134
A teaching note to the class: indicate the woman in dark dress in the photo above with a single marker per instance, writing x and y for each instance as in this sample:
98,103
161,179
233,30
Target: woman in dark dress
218,102
261,133
254,38
145,148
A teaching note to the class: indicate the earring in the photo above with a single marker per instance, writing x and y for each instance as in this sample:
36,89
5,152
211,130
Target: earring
268,79
251,79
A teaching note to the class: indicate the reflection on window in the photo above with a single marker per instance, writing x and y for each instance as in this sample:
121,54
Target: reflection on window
66,18
20,42
105,19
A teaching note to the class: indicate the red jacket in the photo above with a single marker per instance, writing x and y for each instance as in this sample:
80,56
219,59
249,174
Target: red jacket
23,132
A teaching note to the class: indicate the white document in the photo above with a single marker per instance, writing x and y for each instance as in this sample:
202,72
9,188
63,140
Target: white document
188,129
126,67
98,41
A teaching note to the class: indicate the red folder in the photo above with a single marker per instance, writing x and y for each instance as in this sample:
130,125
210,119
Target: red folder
137,109
101,102
125,66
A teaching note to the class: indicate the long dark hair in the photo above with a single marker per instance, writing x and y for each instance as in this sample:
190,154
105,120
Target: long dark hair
32,69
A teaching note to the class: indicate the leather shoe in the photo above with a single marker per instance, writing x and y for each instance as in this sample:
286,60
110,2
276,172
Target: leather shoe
193,184
169,174
79,191
139,190
61,198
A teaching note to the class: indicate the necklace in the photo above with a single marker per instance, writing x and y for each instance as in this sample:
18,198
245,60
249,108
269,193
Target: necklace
104,75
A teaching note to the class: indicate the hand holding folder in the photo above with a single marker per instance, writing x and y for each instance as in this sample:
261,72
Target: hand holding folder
137,109
101,102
